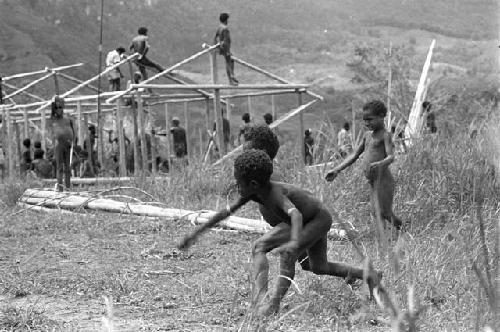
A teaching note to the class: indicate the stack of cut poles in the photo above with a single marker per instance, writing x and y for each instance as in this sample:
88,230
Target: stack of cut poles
48,200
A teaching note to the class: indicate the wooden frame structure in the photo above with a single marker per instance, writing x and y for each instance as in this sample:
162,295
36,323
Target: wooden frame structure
34,113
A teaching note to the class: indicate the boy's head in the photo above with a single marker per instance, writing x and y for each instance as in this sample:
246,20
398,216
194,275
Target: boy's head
346,126
175,121
38,154
268,118
252,171
426,106
38,145
120,50
261,137
223,17
307,132
27,143
57,107
245,117
137,77
142,31
374,113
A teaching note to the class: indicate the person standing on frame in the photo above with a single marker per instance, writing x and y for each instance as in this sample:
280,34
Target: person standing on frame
114,76
222,36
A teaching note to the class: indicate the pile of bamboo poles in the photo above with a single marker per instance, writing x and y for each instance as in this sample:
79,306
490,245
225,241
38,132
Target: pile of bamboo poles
51,201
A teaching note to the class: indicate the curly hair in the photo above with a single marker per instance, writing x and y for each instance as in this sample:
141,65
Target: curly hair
254,165
376,107
261,137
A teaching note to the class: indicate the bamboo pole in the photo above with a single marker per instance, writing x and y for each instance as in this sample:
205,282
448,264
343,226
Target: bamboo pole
153,152
273,125
56,83
301,129
262,93
80,122
167,135
389,88
18,141
25,124
43,129
216,86
43,71
200,133
229,112
217,106
353,130
186,125
27,86
250,109
121,139
10,148
78,87
271,75
13,87
144,150
273,107
163,73
76,80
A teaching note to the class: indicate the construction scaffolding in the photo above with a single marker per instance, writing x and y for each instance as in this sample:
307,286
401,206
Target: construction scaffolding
34,114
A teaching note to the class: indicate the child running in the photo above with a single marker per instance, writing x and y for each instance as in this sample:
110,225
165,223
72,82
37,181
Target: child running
300,227
379,154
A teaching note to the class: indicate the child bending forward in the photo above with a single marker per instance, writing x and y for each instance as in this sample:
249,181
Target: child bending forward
300,226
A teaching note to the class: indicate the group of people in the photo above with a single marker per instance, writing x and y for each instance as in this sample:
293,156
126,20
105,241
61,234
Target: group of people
300,222
140,45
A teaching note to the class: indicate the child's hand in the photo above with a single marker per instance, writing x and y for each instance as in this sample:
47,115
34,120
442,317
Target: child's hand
330,176
291,248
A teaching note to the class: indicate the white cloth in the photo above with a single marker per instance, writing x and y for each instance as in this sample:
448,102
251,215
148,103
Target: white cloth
113,58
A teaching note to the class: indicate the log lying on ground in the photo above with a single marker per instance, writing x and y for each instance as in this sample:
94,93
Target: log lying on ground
48,198
95,181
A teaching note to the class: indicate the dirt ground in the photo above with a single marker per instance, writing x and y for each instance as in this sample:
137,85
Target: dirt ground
57,269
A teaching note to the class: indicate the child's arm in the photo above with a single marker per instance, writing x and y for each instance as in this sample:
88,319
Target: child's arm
346,163
296,223
219,216
389,150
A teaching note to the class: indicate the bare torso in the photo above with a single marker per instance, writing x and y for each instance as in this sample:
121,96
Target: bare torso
62,130
374,151
303,200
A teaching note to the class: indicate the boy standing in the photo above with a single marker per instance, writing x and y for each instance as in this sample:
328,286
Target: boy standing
63,136
26,156
309,147
179,138
222,36
243,129
379,154
344,140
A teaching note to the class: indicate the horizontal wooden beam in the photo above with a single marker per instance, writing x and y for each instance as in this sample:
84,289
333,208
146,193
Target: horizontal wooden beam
43,71
219,86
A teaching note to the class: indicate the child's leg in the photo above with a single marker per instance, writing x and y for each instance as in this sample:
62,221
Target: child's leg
67,167
59,158
383,193
277,236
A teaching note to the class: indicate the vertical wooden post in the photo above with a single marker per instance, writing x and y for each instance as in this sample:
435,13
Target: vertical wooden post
10,143
18,144
201,142
167,135
301,129
353,130
79,119
186,126
153,152
43,128
229,112
273,107
144,150
137,164
389,90
56,83
25,123
121,139
90,148
250,109
207,114
217,106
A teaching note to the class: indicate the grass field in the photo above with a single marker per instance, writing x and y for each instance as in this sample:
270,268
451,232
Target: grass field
58,270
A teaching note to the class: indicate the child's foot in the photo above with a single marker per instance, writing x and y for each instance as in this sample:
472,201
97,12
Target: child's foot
268,309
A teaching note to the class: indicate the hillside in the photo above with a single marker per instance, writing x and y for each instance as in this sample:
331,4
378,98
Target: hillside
304,42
